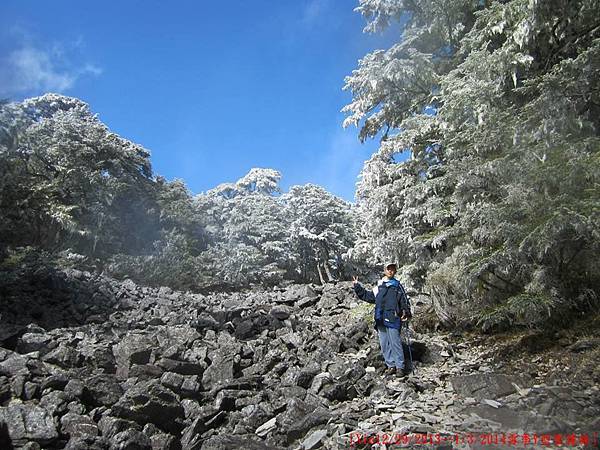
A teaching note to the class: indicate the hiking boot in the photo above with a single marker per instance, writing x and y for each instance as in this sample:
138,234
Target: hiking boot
402,372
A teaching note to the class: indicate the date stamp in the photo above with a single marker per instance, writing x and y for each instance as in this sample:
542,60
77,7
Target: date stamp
562,440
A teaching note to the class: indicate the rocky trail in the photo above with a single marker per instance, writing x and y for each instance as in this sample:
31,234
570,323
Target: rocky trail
87,362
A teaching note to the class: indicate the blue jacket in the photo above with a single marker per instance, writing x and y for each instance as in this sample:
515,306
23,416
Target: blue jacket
390,302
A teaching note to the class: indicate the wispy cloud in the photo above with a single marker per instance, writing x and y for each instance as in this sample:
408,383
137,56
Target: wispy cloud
30,69
341,162
314,11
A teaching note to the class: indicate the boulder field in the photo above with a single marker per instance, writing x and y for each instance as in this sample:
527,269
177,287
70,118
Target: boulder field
89,362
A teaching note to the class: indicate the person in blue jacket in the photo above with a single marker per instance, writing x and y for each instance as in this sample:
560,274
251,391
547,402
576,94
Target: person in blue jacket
392,308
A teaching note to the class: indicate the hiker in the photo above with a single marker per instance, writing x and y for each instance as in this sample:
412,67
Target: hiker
392,308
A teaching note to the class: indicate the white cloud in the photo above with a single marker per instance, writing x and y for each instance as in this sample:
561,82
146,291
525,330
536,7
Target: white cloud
340,164
30,70
313,10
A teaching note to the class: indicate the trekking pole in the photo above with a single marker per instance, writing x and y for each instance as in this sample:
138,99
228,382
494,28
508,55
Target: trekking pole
412,367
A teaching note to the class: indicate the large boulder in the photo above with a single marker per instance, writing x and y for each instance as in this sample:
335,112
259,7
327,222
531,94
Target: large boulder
302,293
487,385
23,423
111,426
131,439
134,348
36,342
102,390
223,366
78,425
185,386
14,364
64,356
181,336
299,418
150,402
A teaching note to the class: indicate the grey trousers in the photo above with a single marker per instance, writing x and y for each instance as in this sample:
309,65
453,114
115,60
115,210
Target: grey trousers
391,346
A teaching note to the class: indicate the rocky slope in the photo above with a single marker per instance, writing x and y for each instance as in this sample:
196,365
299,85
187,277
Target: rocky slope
87,362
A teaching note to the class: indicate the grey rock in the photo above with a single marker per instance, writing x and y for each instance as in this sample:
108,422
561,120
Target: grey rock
131,440
27,422
299,417
267,427
306,375
191,408
281,312
100,356
486,385
509,420
191,436
306,302
36,342
77,425
314,440
181,367
145,371
5,389
31,390
225,400
55,382
150,402
164,441
299,291
254,415
584,344
178,336
134,348
339,391
221,370
111,426
64,356
18,385
103,390
76,407
172,380
56,402
291,340
14,364
88,443
76,388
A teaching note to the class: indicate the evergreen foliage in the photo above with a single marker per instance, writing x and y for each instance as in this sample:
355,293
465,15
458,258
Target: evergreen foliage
495,213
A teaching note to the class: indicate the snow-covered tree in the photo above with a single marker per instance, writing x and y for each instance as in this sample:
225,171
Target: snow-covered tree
495,212
247,230
65,178
261,181
259,237
321,232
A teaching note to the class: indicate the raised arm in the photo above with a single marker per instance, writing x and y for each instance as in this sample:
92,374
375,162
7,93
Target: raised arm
364,294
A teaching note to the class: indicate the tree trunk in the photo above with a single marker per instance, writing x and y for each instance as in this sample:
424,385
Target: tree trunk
320,273
328,272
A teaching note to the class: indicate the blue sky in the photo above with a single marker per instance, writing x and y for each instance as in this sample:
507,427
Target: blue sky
212,89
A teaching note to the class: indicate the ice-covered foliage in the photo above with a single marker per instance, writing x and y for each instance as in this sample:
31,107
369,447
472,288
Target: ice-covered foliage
259,237
247,230
496,212
67,184
66,181
321,232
